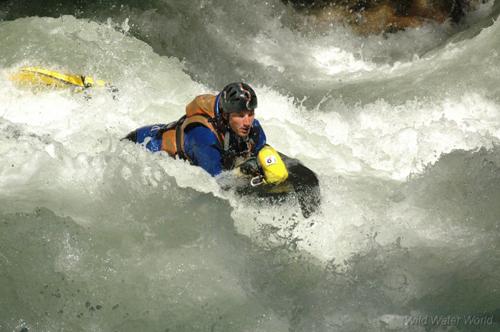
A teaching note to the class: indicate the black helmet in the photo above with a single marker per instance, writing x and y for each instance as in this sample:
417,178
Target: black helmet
237,97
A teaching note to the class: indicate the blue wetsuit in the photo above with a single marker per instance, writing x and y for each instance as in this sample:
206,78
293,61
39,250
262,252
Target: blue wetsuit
201,145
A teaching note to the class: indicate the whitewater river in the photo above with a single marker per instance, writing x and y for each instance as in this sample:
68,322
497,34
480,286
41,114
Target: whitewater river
403,131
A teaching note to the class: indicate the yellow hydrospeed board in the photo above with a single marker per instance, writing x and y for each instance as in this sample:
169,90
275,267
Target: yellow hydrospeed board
41,76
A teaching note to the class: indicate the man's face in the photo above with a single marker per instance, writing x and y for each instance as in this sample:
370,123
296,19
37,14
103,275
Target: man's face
241,122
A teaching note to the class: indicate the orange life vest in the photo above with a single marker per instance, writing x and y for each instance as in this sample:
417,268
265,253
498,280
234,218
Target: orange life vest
199,111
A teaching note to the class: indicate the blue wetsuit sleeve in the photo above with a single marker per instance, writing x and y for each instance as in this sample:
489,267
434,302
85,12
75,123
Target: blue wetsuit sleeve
262,136
202,147
148,136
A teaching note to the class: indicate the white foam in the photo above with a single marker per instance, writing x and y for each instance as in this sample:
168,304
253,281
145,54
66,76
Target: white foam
360,154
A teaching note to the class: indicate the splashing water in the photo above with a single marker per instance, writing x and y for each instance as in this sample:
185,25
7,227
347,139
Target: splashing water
402,130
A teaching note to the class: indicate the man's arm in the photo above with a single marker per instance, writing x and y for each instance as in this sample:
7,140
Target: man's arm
202,147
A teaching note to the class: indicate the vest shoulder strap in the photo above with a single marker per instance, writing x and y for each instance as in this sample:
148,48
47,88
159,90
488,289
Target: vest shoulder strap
199,111
196,119
173,136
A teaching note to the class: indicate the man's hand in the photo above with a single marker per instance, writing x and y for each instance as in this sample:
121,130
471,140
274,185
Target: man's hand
250,167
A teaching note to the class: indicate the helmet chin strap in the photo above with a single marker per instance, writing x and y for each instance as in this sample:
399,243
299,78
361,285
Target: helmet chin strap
227,139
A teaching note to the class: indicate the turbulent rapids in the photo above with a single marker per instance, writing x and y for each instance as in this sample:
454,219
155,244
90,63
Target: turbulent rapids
402,130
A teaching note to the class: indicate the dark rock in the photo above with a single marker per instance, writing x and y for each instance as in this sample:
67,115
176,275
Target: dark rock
376,16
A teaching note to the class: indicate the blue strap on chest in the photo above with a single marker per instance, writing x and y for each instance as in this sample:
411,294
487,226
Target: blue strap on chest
216,108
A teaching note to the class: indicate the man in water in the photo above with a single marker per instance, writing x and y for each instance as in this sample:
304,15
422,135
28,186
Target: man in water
217,133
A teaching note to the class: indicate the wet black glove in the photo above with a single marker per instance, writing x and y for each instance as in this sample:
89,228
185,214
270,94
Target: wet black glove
250,167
